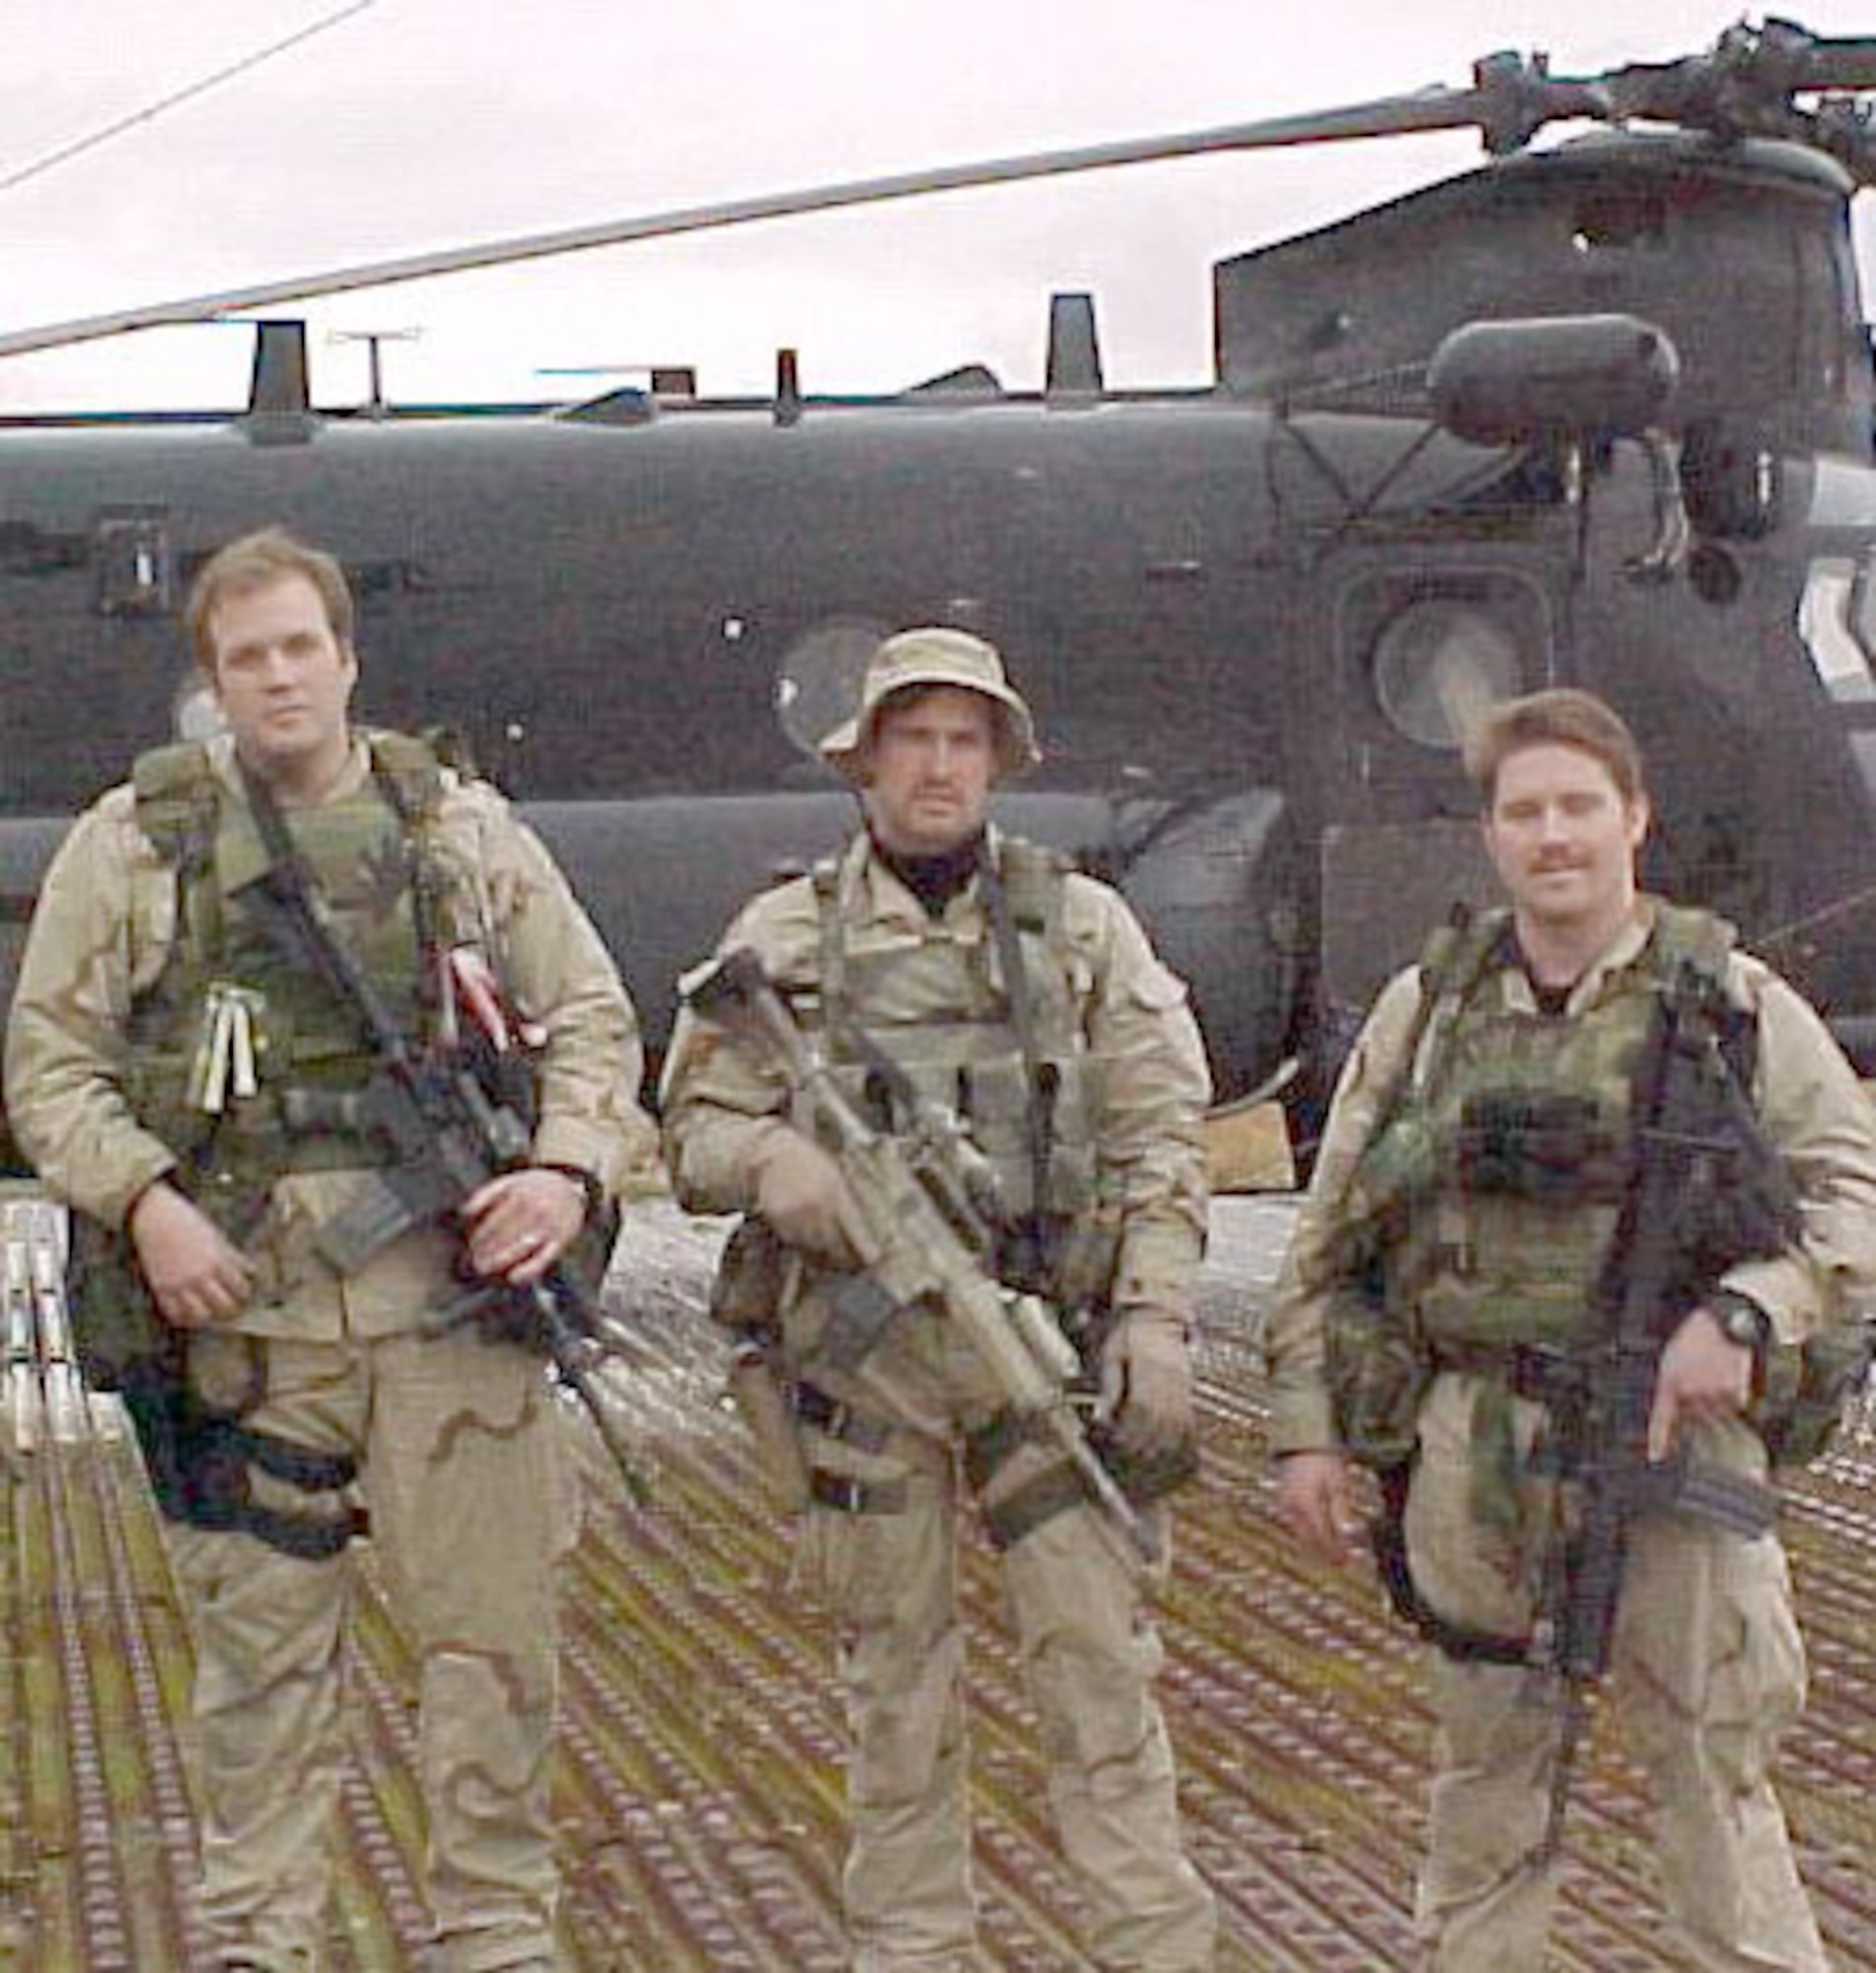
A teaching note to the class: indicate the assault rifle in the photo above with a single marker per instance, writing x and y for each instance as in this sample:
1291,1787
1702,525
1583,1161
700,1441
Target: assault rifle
447,1129
923,1201
1706,1191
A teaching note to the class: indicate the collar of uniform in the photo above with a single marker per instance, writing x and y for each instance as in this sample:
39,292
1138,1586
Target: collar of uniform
892,901
351,777
1615,957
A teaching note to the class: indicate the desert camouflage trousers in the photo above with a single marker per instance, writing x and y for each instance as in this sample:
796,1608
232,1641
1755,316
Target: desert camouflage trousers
456,1441
1089,1652
1707,1672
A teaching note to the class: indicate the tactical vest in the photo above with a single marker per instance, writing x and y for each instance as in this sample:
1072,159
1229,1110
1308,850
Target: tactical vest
372,855
1009,1057
1514,1141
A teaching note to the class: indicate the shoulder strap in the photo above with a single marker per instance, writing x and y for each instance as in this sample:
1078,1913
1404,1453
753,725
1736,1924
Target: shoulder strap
1689,956
1034,878
1455,957
1689,938
825,876
1013,877
408,770
177,803
177,812
409,773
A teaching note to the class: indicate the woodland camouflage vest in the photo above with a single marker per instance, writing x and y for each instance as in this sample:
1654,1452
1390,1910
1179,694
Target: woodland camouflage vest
372,857
1524,1129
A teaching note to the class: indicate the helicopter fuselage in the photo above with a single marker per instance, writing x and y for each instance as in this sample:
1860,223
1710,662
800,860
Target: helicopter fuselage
1253,620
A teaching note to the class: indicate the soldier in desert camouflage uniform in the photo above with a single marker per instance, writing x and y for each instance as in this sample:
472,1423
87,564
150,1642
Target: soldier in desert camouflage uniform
154,1037
1026,997
1484,1287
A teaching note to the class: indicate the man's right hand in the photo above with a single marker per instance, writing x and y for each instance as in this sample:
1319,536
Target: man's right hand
1312,1501
194,1274
801,1192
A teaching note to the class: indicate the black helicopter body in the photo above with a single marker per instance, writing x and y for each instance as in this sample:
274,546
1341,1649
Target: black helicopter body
1253,619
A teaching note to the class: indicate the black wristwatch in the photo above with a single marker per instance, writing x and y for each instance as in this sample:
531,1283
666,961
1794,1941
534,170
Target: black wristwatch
1739,1318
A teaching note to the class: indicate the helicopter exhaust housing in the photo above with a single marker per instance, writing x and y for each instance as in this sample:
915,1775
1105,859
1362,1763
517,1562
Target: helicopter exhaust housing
1508,382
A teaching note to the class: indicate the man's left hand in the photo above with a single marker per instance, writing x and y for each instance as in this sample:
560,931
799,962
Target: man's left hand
518,1225
1147,1387
1703,1374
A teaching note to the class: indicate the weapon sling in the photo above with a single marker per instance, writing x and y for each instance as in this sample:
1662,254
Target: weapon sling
921,1246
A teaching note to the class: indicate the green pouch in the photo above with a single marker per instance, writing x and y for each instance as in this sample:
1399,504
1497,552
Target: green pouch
1809,1387
1377,1371
114,1324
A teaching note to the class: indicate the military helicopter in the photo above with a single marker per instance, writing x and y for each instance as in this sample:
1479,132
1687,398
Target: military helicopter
1621,437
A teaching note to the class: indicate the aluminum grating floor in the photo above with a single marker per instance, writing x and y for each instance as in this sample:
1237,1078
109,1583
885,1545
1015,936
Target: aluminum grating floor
699,1780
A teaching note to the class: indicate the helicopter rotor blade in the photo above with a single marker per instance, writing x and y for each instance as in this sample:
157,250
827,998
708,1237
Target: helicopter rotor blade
1436,108
1797,62
1743,85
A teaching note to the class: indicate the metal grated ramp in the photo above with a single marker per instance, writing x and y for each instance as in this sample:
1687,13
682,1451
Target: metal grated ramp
700,1771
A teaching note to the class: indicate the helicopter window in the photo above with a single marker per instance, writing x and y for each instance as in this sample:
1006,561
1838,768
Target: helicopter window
133,565
1439,663
1837,619
817,683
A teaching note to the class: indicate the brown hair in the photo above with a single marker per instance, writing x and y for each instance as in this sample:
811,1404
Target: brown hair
1560,718
252,561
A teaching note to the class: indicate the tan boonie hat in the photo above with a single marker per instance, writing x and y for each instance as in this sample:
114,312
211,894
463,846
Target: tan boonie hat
936,656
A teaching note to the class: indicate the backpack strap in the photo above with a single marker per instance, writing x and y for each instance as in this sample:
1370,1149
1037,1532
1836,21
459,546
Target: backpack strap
177,803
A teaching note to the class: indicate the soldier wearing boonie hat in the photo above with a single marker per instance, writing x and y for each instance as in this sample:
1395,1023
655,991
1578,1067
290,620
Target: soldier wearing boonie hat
936,657
1024,997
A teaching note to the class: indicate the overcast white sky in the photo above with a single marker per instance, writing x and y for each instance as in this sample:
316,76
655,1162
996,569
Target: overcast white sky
419,123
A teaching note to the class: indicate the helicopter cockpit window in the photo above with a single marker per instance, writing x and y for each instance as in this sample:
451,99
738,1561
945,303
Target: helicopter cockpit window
1837,619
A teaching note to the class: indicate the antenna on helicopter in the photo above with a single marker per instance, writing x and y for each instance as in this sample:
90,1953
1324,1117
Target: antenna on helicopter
280,405
1074,349
787,386
377,405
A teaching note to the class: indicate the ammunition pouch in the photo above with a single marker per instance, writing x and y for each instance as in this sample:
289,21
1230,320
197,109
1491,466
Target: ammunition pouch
1050,1493
1142,1478
1377,1365
1546,1146
1145,1477
833,1417
198,1458
1808,1388
114,1324
762,1401
752,1276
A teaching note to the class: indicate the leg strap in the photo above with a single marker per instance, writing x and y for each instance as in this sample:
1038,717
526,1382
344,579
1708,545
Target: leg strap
835,1418
1052,1491
847,1494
